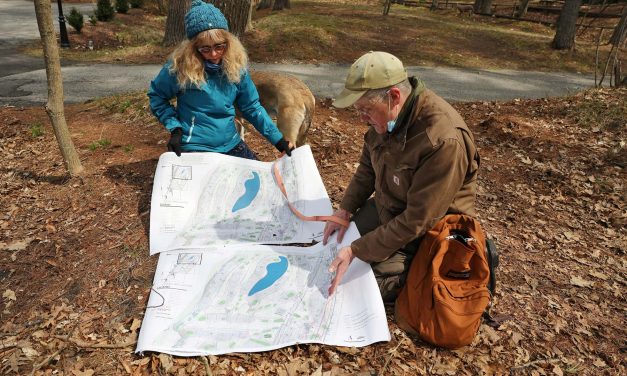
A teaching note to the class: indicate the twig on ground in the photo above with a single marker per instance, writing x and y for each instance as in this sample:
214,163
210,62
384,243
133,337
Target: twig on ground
534,362
385,366
36,367
84,344
206,363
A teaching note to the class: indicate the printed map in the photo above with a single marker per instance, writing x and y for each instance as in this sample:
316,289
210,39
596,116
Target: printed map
255,298
207,199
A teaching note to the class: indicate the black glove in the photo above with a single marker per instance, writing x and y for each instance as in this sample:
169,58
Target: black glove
175,141
284,146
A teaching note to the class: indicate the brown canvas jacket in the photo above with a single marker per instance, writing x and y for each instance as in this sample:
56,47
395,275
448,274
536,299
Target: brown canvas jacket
426,168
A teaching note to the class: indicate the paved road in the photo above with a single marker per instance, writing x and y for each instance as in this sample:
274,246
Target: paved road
18,26
23,80
83,82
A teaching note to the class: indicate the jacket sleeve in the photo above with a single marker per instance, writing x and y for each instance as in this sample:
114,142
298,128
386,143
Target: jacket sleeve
163,88
434,185
361,185
247,101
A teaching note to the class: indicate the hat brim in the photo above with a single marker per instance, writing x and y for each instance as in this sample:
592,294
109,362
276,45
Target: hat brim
348,98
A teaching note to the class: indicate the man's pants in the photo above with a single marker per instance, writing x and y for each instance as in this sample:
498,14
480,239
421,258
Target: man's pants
392,272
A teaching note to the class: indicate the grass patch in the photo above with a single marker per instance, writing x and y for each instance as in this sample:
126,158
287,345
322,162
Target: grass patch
598,110
331,31
36,130
102,143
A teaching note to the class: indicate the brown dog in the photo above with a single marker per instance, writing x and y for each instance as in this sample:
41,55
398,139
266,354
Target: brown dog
289,100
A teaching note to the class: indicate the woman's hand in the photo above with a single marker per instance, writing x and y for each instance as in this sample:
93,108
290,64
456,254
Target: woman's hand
284,146
175,141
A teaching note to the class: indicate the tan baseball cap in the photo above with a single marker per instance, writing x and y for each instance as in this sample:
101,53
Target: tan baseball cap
374,70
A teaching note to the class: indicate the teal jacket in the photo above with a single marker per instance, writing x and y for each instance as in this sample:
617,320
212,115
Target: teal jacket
207,114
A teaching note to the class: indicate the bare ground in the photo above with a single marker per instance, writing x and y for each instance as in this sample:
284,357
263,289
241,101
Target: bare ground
75,271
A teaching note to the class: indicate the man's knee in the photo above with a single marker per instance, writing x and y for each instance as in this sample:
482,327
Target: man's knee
391,274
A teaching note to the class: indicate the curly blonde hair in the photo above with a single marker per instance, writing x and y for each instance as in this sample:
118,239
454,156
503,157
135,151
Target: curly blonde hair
188,63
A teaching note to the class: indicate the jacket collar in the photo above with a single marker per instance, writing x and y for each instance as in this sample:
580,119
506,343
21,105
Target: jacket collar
399,134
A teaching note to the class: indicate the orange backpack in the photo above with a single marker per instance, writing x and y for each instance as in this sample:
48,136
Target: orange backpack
446,290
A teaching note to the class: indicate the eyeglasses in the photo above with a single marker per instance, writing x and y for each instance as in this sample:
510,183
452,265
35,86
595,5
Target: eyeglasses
218,48
367,108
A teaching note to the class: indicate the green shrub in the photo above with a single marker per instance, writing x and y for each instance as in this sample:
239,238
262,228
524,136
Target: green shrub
37,130
104,10
121,6
102,143
75,19
136,3
93,19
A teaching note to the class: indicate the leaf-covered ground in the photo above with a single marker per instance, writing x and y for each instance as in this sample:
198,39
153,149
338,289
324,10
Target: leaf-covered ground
75,273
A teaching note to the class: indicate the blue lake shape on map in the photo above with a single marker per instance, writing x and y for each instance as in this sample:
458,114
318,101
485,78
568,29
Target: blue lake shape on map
274,271
252,188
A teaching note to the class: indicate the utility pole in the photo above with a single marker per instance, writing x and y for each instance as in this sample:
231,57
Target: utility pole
65,42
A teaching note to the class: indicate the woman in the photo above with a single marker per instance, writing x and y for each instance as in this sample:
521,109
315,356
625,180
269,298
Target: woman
208,76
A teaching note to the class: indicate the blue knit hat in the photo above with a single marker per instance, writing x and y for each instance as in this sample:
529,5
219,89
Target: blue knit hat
203,16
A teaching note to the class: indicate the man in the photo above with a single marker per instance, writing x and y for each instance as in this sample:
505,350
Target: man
419,159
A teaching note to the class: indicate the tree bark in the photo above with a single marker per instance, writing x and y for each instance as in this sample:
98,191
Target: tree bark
281,4
175,23
522,11
566,26
434,5
620,31
265,4
249,22
236,13
483,6
386,7
54,106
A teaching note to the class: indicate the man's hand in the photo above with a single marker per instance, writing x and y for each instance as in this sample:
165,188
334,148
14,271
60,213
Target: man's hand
175,141
331,227
339,266
284,146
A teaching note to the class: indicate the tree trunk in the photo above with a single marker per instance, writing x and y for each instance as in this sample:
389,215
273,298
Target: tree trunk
54,106
236,13
434,5
620,31
265,4
386,7
566,26
175,23
281,4
249,22
483,6
522,11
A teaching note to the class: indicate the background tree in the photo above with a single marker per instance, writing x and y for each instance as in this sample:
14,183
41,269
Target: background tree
281,4
54,106
434,5
175,22
566,26
620,31
483,6
75,19
104,10
121,6
386,7
236,13
265,4
522,10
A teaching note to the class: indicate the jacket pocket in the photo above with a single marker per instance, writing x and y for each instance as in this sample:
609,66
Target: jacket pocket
456,314
398,180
